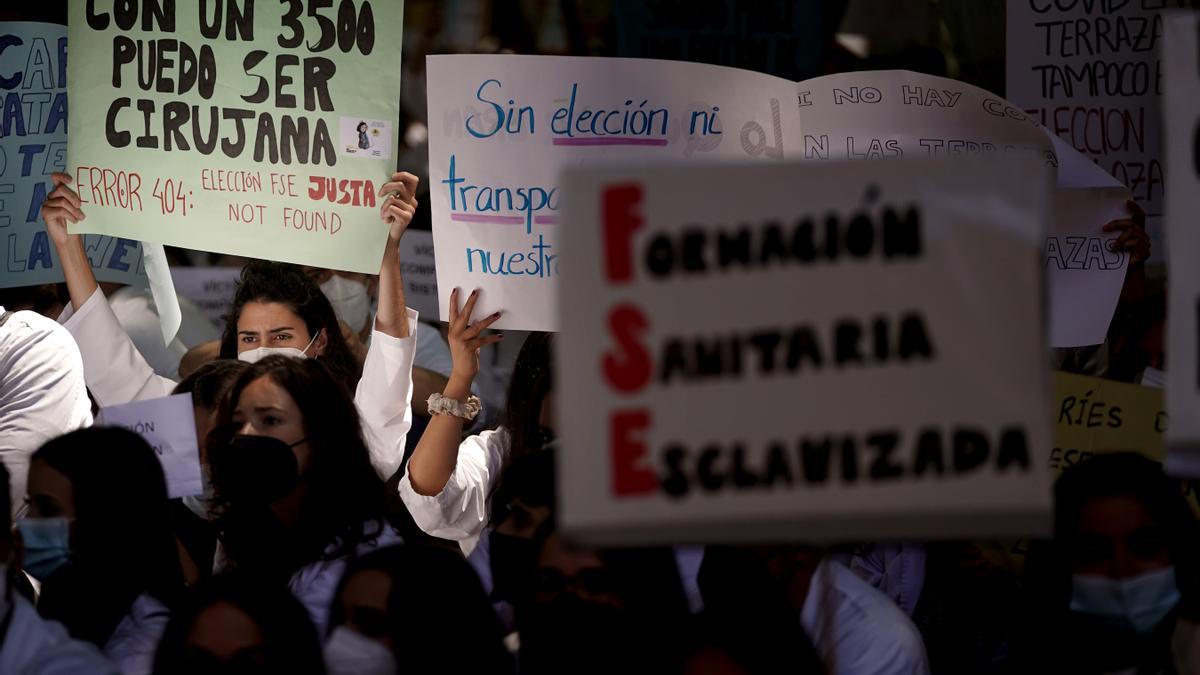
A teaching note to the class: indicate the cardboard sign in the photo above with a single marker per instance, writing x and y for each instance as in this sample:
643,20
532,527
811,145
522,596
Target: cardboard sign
420,273
501,127
33,143
1091,73
850,351
169,426
263,130
1182,117
209,288
1093,416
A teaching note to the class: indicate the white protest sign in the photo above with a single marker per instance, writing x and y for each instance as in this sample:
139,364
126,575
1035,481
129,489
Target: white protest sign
209,288
847,351
420,273
1181,52
501,128
1083,277
1090,72
169,426
892,114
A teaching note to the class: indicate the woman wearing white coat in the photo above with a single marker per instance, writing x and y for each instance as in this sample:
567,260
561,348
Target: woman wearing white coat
116,373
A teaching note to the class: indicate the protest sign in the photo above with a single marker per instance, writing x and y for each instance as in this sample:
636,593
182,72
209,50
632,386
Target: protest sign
420,273
1094,415
33,143
261,129
887,380
169,426
502,126
1181,53
1090,72
209,288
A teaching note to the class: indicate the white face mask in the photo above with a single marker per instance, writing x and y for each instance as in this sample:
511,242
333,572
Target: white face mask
1139,602
201,503
256,355
349,299
349,653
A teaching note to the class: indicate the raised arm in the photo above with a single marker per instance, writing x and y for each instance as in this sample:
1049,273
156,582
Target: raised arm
399,206
113,368
436,454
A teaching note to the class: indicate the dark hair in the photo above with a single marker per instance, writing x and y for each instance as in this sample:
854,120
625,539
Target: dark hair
122,541
532,380
449,594
291,642
41,298
344,492
265,281
529,478
208,383
360,126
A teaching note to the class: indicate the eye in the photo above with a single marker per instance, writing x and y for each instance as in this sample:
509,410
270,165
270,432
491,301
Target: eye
271,421
282,337
248,339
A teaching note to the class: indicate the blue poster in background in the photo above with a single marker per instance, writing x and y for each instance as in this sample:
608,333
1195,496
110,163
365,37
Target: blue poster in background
33,143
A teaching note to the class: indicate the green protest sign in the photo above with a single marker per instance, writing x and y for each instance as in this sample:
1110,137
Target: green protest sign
259,129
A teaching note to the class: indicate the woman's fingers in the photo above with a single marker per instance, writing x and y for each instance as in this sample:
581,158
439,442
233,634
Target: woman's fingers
63,204
397,212
403,184
66,193
468,307
490,339
1123,224
55,214
60,178
478,327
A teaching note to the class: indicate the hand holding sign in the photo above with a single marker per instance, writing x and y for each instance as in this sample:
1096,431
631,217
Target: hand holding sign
1133,237
400,205
61,206
464,336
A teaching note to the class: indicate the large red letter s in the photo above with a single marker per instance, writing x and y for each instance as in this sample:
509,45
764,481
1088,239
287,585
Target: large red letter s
629,369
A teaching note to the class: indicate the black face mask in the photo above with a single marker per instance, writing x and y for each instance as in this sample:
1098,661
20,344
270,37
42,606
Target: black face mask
257,470
514,567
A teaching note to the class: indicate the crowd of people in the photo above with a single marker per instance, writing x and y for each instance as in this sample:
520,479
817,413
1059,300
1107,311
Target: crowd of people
369,507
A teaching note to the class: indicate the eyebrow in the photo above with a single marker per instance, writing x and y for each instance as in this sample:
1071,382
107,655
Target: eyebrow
267,408
273,330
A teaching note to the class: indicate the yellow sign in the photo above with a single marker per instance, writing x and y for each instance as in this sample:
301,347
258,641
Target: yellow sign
1093,416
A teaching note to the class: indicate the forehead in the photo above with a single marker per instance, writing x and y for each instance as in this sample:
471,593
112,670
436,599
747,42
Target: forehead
264,316
223,630
45,479
266,393
1114,515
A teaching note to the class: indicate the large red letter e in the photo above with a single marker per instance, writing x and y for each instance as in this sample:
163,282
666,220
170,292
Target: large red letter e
628,478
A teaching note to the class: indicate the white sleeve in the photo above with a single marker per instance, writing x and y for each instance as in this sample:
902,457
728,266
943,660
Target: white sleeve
383,397
112,367
461,510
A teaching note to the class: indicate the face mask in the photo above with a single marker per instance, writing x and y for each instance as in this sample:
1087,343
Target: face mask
258,469
1139,602
46,545
256,355
349,299
348,652
201,504
514,566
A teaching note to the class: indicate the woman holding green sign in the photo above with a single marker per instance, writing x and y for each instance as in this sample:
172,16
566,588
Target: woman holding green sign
277,310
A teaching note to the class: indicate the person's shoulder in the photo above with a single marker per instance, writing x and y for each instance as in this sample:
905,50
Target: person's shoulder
26,330
886,630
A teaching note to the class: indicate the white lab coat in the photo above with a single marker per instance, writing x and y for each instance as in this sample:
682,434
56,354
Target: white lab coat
461,510
42,393
116,373
36,646
135,639
135,309
857,630
314,585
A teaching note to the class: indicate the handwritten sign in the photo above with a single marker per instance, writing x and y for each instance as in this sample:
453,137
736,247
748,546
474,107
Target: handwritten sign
1090,72
420,273
262,130
169,426
849,399
1182,117
1093,415
33,143
209,288
501,127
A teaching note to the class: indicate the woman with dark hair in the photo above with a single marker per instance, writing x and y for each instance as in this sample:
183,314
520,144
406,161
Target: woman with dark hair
449,480
374,627
99,538
231,624
1103,595
276,309
295,494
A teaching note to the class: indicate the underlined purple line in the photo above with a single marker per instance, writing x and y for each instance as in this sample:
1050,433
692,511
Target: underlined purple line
479,218
545,220
610,140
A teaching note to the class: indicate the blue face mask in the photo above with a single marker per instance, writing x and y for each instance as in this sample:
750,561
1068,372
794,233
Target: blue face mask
46,545
1139,602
